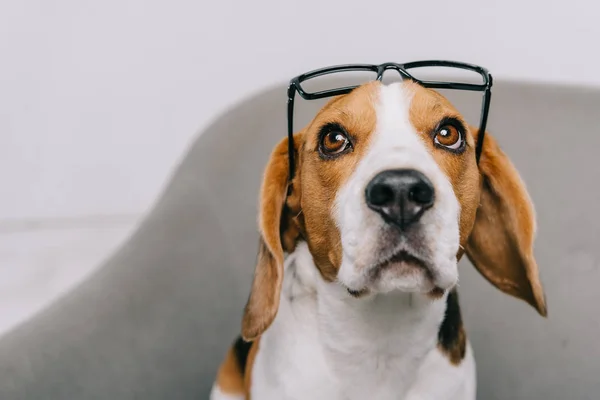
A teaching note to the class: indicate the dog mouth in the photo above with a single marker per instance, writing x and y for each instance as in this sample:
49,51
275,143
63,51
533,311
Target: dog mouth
402,259
401,262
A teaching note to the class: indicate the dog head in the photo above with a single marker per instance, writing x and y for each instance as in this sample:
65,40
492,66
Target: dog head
388,196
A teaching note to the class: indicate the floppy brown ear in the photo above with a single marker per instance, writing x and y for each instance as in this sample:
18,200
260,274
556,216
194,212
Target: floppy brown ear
278,232
501,242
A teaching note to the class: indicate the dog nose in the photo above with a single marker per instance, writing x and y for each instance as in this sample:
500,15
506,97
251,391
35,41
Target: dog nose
401,196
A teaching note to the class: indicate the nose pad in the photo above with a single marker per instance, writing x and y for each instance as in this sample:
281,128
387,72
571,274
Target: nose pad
400,196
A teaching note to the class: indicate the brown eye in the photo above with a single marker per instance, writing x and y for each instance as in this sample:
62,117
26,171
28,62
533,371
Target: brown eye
334,142
449,136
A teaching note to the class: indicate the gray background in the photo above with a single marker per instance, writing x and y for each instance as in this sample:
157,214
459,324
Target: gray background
155,320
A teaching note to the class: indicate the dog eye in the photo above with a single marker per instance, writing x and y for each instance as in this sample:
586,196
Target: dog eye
449,136
334,142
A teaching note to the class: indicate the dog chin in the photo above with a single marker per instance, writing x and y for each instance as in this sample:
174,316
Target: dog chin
410,281
409,275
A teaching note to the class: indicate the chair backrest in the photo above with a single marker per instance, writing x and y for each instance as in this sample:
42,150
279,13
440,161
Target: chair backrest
155,321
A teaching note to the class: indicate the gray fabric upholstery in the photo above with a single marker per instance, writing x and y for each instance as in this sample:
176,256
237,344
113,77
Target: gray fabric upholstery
154,322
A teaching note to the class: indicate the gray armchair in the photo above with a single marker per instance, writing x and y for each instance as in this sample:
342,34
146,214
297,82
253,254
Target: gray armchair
156,319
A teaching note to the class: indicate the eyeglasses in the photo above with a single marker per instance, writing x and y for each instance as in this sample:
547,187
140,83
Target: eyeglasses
300,85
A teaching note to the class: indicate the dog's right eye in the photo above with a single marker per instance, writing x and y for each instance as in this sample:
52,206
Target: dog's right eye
334,141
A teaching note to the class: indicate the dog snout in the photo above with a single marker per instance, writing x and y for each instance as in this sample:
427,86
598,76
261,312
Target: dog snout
400,196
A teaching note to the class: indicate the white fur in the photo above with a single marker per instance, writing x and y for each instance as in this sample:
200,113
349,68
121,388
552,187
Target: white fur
217,394
395,144
440,380
324,344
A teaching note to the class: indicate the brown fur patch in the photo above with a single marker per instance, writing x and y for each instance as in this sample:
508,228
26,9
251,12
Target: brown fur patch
452,339
230,378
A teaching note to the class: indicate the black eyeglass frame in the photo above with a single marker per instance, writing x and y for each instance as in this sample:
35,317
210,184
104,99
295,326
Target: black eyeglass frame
296,87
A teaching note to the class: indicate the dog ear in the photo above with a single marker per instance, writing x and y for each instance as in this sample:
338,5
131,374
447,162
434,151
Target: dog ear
501,243
279,230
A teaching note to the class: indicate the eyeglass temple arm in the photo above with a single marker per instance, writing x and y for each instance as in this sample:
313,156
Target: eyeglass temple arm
290,110
483,123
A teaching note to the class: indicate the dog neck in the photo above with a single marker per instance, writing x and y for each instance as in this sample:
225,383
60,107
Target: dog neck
371,346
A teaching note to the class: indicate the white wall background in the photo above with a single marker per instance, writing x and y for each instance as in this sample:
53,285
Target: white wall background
98,99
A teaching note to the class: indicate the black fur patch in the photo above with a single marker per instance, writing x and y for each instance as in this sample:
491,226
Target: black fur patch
241,348
451,337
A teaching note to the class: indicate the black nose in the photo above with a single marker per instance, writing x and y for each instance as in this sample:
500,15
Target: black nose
401,196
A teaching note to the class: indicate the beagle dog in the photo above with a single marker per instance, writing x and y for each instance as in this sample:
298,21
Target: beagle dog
354,292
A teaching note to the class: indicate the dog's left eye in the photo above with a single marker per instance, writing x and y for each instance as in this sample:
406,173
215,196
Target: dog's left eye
449,136
334,142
